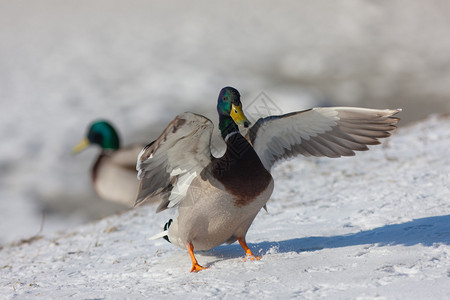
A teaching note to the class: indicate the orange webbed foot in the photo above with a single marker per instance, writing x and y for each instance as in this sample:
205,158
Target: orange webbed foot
195,266
250,256
248,253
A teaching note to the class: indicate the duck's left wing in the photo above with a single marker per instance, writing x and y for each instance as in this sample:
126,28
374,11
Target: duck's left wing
322,131
167,166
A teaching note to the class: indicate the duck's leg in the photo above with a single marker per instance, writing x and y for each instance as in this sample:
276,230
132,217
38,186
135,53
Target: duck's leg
248,252
195,266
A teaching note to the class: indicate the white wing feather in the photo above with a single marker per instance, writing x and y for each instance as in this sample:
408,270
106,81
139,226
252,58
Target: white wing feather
167,166
322,131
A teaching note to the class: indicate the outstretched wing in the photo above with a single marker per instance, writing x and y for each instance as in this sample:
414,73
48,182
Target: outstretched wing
167,166
322,131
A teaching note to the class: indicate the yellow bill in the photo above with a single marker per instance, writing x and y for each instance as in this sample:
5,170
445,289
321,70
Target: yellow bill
238,116
81,145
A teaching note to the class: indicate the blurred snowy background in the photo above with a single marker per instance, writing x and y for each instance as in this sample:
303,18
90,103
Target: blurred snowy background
139,63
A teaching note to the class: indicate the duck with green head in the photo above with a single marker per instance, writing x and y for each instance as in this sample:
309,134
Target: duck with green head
114,171
218,198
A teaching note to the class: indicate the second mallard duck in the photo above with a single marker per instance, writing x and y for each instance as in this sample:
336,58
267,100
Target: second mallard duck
218,198
114,171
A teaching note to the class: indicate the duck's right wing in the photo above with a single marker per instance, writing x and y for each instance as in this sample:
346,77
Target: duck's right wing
167,166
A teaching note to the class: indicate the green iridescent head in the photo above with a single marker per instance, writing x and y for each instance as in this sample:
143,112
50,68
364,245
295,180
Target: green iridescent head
101,133
229,107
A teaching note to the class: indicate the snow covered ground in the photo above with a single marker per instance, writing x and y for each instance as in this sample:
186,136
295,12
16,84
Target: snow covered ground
372,226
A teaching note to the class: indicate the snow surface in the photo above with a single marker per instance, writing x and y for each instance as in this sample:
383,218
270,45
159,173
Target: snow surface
372,226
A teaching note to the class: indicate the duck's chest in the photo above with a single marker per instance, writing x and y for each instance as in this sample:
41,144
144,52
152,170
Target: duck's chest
241,172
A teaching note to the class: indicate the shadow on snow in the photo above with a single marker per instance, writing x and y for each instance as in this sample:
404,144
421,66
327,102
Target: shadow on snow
425,231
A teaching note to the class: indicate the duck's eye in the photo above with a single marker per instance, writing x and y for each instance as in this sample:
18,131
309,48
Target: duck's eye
235,111
95,137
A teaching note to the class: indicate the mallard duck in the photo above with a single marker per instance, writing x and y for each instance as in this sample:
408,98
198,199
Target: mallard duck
114,172
218,198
